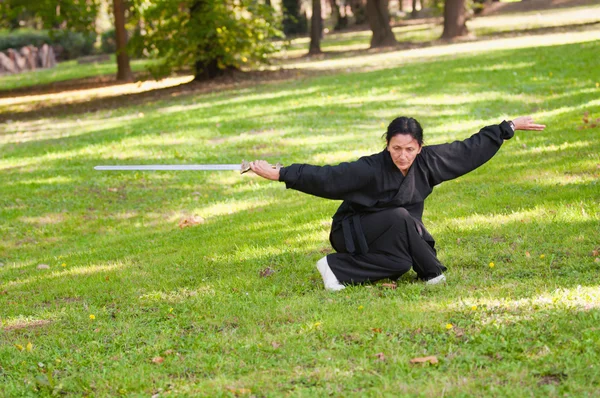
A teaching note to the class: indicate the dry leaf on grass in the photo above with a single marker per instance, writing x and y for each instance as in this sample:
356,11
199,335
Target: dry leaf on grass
190,221
267,272
392,286
275,345
43,266
380,356
158,360
430,359
239,391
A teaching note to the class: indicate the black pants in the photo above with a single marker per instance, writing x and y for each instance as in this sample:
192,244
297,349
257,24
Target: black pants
395,246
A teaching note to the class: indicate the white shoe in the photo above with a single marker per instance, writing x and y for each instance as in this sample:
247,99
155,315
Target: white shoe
438,279
329,279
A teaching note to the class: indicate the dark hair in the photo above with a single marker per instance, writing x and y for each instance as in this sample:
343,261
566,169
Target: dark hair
404,125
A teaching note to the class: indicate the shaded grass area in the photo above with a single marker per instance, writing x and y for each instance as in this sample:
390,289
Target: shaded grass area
187,312
67,70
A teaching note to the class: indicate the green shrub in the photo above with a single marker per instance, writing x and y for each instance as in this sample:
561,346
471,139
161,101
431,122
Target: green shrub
19,40
108,42
70,45
67,44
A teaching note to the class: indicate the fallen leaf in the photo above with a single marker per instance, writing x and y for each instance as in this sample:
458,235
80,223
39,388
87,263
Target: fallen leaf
267,272
527,254
190,221
239,391
430,359
168,352
389,285
377,330
43,266
275,345
459,332
113,189
29,347
380,356
158,360
595,253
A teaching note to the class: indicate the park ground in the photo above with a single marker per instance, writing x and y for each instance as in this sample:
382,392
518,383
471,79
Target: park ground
203,283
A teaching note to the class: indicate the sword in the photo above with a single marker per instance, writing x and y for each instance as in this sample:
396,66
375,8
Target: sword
243,168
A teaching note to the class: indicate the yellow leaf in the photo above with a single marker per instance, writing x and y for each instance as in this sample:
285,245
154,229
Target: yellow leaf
19,347
29,347
542,255
430,359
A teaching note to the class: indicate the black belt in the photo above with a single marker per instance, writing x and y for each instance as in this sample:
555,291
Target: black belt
358,232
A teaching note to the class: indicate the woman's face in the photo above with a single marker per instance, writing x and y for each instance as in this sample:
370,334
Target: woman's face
403,149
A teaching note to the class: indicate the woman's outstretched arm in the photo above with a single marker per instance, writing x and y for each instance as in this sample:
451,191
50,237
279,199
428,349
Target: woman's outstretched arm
448,161
343,181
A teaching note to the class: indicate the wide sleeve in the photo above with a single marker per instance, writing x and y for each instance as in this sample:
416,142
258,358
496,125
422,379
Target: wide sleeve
340,182
448,161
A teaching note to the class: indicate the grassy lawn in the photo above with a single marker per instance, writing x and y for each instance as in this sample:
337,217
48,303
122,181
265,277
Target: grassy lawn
67,70
131,304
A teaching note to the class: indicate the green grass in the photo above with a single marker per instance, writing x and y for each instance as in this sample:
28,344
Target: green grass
195,297
64,71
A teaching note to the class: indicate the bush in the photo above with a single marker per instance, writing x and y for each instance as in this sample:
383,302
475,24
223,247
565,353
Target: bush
19,40
67,45
108,42
70,45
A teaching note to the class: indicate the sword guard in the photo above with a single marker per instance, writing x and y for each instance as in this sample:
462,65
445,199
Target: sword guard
245,167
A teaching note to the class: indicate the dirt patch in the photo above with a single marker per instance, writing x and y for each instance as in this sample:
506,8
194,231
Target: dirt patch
27,325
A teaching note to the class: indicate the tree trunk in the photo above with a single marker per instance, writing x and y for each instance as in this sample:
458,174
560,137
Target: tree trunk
205,68
316,28
379,21
123,67
455,19
414,12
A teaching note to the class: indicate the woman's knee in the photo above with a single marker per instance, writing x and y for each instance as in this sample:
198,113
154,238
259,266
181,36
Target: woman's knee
399,214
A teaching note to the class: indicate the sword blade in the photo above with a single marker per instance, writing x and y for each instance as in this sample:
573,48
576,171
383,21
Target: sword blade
168,167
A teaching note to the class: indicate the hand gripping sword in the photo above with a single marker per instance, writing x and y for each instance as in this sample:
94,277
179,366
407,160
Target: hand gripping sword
243,168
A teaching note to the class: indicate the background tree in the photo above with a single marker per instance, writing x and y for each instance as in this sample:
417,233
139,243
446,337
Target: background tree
455,19
208,36
294,22
316,28
379,21
123,67
359,10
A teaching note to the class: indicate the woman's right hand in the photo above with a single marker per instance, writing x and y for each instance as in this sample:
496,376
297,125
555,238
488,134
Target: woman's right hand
526,123
265,170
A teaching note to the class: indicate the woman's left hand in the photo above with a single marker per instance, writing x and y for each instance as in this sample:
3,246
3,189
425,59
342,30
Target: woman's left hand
265,170
526,123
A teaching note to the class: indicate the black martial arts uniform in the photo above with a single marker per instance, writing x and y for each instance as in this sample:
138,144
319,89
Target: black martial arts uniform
377,230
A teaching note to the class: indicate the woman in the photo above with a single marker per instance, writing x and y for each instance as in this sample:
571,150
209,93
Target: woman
377,230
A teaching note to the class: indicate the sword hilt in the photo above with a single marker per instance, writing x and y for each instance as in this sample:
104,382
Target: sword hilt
246,166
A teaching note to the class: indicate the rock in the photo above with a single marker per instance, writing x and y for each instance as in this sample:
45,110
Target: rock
43,266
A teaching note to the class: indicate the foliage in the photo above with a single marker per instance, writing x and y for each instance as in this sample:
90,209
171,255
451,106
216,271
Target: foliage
77,15
67,44
71,45
16,39
183,34
294,22
108,44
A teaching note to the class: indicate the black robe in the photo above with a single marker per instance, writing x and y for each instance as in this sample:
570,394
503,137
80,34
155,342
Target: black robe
374,184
